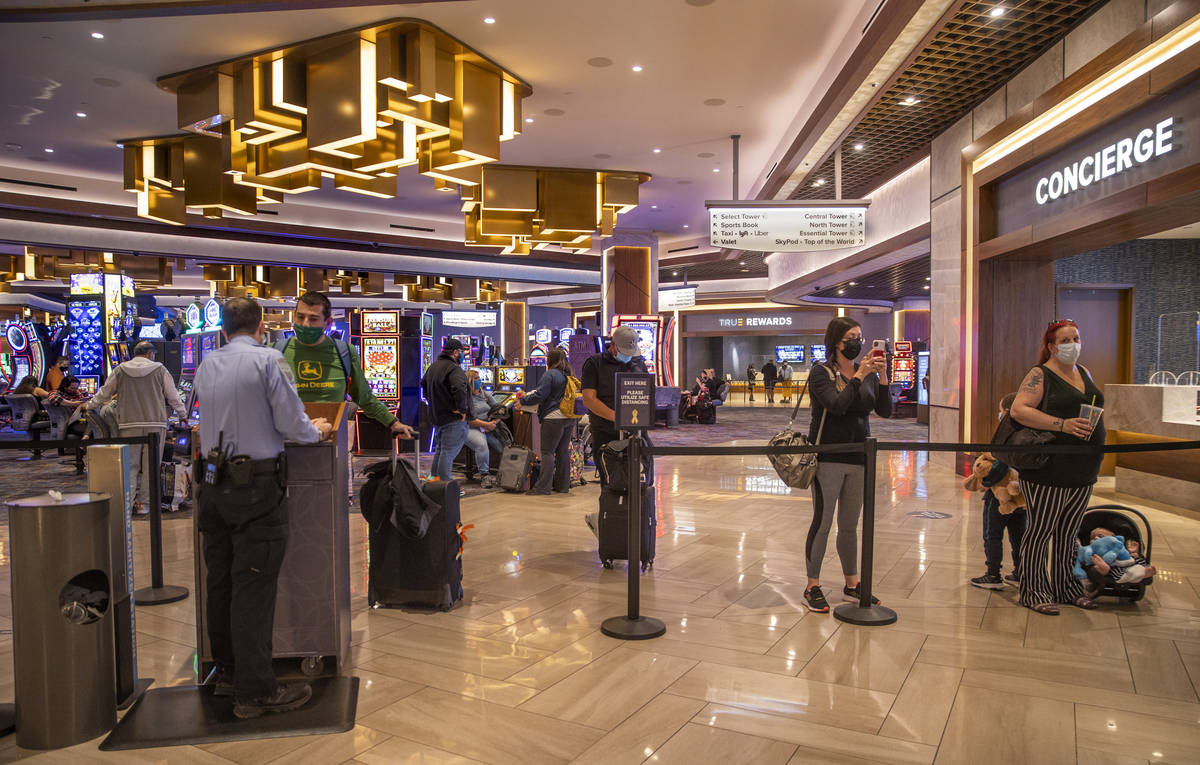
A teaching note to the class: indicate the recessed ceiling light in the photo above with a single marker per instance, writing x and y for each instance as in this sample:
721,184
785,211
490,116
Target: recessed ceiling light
600,61
998,10
674,273
120,146
529,119
858,147
741,262
489,20
653,207
745,270
98,35
685,225
910,101
926,286
48,150
853,284
657,151
819,182
637,67
716,169
841,292
80,115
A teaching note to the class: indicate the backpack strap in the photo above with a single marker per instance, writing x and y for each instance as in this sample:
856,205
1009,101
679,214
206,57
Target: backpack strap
344,356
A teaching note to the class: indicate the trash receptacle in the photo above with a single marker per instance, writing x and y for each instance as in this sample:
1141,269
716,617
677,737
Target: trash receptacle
62,620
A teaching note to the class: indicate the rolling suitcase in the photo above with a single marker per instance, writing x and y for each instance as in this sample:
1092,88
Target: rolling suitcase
614,529
424,572
515,466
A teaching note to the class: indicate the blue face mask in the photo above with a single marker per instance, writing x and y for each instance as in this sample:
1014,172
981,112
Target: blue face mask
478,384
624,358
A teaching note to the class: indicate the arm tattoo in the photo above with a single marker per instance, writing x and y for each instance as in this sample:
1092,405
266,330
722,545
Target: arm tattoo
1033,381
1058,424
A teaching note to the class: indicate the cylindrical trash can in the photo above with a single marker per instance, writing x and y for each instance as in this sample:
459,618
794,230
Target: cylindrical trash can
61,619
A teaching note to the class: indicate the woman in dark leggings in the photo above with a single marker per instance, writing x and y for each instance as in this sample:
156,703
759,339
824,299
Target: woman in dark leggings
843,395
1057,494
556,427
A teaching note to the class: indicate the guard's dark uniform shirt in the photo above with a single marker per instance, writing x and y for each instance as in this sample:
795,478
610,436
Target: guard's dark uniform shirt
600,374
248,403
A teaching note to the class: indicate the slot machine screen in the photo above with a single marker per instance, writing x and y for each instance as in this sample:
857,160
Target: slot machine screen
537,357
426,324
485,375
123,351
380,359
922,369
380,322
208,344
189,353
647,332
510,375
426,354
89,384
21,368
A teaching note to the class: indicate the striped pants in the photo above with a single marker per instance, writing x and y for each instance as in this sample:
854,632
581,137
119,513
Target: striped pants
1048,547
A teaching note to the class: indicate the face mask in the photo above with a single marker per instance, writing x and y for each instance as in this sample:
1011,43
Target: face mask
624,358
851,348
1068,353
309,335
478,385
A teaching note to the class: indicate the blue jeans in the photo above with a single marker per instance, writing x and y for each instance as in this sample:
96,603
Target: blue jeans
448,441
483,444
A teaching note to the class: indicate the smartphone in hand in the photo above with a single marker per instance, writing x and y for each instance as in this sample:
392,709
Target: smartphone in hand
879,348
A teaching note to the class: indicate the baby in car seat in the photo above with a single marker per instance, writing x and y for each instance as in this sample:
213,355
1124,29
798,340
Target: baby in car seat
1129,568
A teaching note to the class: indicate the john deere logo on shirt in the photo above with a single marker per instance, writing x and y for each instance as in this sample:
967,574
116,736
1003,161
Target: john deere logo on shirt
309,370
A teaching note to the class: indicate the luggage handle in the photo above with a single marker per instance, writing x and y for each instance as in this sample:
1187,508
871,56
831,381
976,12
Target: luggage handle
416,439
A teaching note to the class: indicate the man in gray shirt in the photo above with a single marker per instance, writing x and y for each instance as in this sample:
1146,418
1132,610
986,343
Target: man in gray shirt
248,408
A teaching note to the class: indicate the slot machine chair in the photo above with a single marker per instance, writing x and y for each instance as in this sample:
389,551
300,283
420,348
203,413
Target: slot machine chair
25,408
60,419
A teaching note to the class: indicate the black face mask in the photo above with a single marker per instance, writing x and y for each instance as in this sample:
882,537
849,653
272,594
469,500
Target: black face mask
851,348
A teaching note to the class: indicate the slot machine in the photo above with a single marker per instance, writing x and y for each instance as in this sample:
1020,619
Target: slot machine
85,313
391,347
650,341
564,338
487,375
28,356
510,379
541,346
904,364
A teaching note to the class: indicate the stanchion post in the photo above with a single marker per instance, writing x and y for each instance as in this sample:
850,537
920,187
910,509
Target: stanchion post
634,626
864,613
157,593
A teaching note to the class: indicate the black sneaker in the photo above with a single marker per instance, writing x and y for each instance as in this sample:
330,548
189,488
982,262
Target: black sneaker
989,582
1013,579
851,595
221,679
285,699
815,600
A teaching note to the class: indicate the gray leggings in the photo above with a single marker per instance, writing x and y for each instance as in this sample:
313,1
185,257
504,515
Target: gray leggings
841,485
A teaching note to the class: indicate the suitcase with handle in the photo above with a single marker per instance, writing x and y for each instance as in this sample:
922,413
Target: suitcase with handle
613,531
516,464
424,572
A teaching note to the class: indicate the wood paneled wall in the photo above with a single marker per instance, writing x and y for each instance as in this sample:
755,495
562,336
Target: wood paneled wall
629,289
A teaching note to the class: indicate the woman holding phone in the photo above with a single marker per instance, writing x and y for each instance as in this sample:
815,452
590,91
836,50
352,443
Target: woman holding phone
843,395
1058,395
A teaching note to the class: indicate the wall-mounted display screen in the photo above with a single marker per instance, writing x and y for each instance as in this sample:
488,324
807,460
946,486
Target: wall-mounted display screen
922,370
485,374
426,324
818,353
189,353
793,354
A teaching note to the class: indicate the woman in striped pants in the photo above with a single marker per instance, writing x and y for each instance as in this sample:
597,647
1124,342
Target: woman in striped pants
1057,494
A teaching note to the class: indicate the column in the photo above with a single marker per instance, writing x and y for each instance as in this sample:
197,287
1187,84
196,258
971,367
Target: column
513,332
630,273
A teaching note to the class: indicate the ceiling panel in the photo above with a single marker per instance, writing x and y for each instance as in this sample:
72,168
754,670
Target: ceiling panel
908,279
972,56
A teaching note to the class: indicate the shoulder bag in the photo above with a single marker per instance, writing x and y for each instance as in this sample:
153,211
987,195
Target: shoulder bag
796,470
1012,433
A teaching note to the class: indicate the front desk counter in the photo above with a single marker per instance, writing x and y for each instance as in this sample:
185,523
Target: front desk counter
1141,413
312,611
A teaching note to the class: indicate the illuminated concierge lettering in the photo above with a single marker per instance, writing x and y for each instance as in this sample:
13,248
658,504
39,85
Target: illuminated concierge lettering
1111,160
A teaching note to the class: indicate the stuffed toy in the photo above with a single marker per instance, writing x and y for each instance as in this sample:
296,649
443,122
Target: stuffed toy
1007,489
1110,549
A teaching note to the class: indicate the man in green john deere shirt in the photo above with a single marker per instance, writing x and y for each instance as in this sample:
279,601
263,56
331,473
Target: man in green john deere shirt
320,366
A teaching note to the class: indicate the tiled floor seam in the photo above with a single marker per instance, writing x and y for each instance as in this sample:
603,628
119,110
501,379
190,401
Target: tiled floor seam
900,689
949,715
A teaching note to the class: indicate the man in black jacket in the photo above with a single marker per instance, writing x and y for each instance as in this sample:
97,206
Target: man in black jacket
770,374
449,398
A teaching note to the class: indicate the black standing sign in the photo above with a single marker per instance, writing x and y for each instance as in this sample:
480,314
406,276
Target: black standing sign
635,401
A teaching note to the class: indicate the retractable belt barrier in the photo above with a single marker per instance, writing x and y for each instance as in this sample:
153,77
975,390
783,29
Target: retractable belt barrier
157,593
862,613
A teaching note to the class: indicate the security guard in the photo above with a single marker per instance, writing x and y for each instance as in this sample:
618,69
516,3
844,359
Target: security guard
248,408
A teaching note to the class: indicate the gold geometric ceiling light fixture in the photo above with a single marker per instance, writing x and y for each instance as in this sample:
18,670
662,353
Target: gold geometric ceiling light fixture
521,208
355,107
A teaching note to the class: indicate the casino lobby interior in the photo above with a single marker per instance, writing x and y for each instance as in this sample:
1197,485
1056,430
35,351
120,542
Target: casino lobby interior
939,118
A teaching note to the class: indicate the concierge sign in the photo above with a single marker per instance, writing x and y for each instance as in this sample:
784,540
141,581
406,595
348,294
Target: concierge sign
785,226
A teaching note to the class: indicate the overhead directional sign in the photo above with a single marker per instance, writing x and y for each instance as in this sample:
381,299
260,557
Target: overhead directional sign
773,226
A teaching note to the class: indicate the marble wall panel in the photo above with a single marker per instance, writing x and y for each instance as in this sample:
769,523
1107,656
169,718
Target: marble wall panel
945,169
991,112
1045,72
1099,31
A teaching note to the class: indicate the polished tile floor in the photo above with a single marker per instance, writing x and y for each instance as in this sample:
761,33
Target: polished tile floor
521,674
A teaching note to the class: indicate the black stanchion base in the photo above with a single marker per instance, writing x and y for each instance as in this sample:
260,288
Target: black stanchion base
641,628
157,596
138,689
871,616
8,719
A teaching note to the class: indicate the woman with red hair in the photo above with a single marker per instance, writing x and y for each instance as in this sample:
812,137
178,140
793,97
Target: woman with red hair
1057,494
